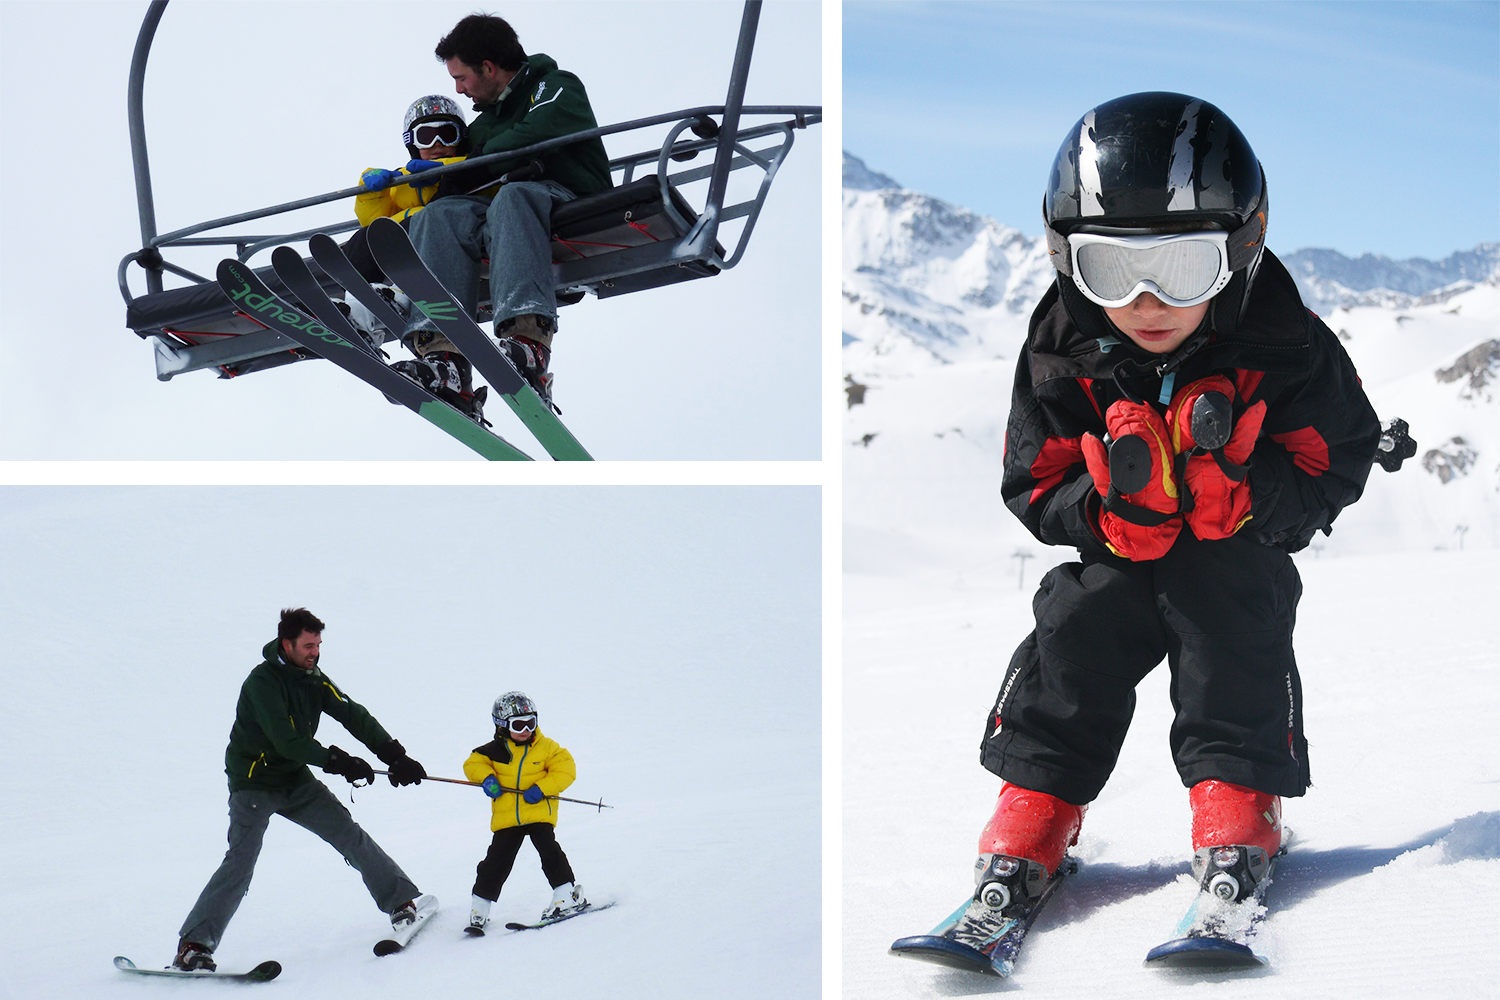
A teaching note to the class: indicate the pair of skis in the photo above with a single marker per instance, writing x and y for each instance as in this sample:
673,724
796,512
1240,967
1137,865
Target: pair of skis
397,940
332,336
516,925
1213,934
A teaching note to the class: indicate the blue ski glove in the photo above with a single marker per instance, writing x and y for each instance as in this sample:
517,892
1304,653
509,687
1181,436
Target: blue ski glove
491,786
417,166
376,179
533,794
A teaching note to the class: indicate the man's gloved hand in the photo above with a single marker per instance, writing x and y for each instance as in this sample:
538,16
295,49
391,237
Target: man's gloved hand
491,786
403,769
1141,524
1214,477
354,769
417,166
533,794
376,179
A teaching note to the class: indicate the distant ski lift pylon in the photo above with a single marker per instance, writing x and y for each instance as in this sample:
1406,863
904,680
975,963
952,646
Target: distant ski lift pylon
641,234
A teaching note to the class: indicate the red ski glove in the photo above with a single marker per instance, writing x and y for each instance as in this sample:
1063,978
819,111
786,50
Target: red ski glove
1141,524
1213,459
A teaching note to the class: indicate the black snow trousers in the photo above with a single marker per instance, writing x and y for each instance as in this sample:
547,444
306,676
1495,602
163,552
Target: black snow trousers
492,872
1220,612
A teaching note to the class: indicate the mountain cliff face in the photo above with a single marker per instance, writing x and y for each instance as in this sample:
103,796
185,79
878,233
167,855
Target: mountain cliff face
936,303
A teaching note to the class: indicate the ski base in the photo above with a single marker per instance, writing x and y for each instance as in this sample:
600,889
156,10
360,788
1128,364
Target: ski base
398,940
1204,953
262,973
591,908
996,955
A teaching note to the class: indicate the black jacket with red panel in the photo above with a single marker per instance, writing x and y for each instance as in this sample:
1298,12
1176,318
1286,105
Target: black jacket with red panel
1316,445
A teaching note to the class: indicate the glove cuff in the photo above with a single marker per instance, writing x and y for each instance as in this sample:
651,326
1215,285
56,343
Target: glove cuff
390,751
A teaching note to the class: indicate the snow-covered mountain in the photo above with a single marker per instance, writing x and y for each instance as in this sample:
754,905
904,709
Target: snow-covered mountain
1328,280
936,301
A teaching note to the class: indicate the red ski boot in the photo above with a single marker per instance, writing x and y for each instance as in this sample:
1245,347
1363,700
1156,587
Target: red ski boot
1022,845
1236,833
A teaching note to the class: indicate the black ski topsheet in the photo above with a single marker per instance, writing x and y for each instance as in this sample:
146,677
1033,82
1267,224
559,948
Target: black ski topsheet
1214,934
336,264
299,280
399,260
996,954
262,973
515,925
251,296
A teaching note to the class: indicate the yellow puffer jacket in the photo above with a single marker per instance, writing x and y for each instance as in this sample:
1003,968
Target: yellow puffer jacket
398,203
541,762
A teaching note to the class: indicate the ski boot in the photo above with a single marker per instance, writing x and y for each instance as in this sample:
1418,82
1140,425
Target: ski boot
449,377
404,915
1021,847
479,915
527,342
1236,834
193,957
567,899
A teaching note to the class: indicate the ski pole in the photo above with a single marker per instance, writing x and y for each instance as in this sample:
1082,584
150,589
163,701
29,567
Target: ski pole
600,805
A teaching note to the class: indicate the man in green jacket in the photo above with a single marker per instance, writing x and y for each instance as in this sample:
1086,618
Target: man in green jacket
521,99
270,747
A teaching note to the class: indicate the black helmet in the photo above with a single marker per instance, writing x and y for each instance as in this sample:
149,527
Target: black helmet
1157,163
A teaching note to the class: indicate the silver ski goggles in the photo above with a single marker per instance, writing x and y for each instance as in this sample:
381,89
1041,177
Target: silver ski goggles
523,724
1181,269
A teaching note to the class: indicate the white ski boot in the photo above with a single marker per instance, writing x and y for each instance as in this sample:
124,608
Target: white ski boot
567,899
479,915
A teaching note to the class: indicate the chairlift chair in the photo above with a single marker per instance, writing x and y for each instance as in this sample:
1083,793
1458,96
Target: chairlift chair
644,233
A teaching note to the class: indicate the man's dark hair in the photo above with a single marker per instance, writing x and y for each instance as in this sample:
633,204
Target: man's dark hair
483,37
295,621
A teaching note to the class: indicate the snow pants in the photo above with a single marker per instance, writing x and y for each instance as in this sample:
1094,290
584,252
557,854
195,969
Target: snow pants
1220,612
311,806
454,235
492,872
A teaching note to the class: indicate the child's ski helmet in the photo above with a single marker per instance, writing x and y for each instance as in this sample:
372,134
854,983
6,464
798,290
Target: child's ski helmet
433,107
509,705
1157,163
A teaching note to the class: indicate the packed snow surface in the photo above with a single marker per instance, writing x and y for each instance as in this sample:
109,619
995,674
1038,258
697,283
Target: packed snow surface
670,638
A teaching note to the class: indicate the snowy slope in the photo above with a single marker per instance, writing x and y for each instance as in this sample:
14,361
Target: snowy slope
1396,657
669,636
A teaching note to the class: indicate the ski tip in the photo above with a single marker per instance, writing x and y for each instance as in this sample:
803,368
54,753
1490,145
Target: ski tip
387,947
942,951
121,962
474,931
1204,953
264,972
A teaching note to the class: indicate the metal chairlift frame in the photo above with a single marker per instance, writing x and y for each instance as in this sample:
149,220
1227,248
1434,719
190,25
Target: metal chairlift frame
694,253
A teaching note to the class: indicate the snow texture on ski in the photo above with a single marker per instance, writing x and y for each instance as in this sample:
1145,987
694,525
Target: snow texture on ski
995,954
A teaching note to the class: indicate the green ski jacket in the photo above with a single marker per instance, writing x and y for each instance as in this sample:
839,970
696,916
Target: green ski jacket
544,102
276,719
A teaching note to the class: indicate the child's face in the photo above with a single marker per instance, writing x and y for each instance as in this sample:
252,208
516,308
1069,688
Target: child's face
1154,326
436,152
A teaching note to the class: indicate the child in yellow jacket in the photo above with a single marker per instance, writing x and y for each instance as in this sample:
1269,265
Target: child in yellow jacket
523,772
435,135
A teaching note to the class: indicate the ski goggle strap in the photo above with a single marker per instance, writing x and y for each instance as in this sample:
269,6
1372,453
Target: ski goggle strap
522,724
1182,269
429,134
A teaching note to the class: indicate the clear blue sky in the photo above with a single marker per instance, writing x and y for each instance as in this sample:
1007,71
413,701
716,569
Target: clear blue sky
1378,124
